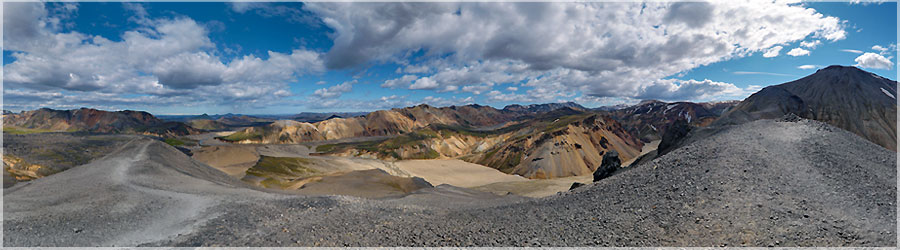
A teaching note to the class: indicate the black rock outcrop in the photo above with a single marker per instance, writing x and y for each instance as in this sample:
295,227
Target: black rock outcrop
608,166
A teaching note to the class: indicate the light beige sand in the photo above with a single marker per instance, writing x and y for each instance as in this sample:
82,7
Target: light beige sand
534,188
653,145
455,172
234,160
373,183
546,187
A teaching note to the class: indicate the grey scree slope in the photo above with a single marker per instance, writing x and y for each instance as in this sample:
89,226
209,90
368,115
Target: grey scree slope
763,183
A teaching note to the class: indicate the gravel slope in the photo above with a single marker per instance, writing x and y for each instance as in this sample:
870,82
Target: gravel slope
763,183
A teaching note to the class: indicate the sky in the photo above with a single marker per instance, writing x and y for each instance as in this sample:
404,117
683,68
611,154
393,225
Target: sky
284,58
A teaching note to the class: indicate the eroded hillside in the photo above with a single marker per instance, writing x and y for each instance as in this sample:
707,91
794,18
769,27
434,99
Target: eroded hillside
563,143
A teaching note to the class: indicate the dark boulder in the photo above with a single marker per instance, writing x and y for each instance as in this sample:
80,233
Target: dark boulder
673,136
610,164
576,185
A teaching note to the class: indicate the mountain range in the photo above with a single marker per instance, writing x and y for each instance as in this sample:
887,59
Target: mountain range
94,121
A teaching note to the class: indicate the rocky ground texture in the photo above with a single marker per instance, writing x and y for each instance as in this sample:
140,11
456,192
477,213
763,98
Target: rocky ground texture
763,183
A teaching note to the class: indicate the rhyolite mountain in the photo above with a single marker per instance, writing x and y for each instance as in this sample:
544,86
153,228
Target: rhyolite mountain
390,122
563,142
847,97
95,121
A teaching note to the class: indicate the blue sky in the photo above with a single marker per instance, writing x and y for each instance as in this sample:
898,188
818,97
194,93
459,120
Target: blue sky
281,58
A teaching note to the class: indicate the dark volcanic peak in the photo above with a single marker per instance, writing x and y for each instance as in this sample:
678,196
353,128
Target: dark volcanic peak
846,97
650,101
650,119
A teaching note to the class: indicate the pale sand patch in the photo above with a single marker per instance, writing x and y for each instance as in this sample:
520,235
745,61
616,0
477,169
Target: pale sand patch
653,145
372,183
234,160
455,172
535,188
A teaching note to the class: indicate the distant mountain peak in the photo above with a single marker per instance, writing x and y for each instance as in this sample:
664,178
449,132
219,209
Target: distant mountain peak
643,102
840,67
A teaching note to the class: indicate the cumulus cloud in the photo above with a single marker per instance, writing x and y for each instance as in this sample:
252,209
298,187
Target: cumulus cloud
443,102
336,90
399,82
807,66
552,51
810,44
798,52
772,52
670,89
424,83
601,49
852,51
694,14
161,59
186,71
874,61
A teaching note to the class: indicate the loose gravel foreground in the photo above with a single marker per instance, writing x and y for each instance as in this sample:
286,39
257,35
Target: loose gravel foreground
763,183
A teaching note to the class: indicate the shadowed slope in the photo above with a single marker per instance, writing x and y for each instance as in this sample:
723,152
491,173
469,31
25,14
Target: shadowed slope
846,97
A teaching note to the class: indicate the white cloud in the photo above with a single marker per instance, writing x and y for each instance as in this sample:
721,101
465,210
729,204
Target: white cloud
449,88
852,51
497,96
336,90
512,89
772,52
424,83
798,52
672,90
189,70
416,69
873,61
443,102
164,58
810,44
554,50
399,82
807,66
477,89
885,50
603,49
